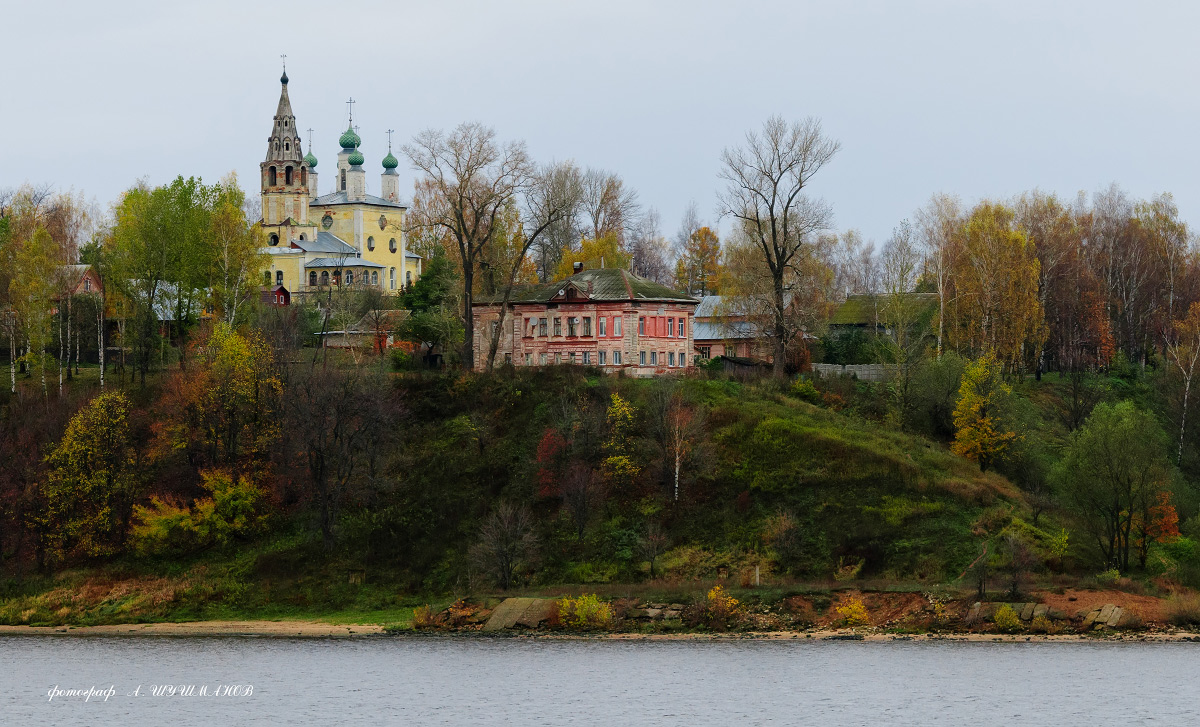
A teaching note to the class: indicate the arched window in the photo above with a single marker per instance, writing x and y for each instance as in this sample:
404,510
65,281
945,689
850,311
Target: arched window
392,276
343,173
287,175
407,278
337,277
392,244
302,237
374,277
271,176
324,277
273,239
279,277
312,278
370,243
349,277
304,176
287,146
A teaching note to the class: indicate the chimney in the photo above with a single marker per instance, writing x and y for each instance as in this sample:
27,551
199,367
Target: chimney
579,267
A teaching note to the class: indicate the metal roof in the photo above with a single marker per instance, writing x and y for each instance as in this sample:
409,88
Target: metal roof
349,262
336,198
600,284
326,242
734,330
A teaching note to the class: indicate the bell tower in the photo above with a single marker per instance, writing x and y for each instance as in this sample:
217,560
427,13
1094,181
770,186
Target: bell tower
285,184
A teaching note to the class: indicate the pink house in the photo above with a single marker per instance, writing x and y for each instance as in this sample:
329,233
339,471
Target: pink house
609,318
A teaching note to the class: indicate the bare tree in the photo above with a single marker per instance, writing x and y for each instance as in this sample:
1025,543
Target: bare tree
766,182
901,311
648,250
610,206
507,544
939,221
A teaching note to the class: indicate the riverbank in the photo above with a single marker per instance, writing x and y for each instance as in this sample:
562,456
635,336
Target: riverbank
316,629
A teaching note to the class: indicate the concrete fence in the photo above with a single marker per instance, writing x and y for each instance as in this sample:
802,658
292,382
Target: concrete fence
863,372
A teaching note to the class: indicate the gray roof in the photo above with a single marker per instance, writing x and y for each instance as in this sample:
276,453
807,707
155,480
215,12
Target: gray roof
736,330
326,242
603,284
337,262
334,198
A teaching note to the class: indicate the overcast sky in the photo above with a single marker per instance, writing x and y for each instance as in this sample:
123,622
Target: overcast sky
976,99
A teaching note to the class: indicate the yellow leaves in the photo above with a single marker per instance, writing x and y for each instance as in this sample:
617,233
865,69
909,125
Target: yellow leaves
592,253
981,434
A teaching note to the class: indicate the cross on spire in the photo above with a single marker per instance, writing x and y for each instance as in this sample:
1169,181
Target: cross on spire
350,104
389,133
310,139
283,56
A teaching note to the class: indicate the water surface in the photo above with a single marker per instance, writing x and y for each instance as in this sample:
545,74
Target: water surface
456,681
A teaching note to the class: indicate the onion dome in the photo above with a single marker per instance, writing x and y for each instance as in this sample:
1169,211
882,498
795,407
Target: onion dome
356,158
349,139
390,162
283,78
312,160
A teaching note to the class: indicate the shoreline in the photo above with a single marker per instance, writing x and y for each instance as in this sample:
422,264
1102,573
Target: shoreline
317,629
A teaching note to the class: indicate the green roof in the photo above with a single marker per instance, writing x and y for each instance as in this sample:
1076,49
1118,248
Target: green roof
349,139
866,310
600,284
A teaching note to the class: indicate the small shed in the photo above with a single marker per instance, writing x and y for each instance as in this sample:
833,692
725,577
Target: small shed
277,297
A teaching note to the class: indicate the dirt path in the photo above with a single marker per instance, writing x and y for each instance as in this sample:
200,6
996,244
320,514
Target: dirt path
203,628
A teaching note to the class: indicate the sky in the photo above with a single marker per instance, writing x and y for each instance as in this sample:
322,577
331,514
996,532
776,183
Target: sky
977,99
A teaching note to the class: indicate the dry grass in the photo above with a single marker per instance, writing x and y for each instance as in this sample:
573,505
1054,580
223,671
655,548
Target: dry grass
1183,609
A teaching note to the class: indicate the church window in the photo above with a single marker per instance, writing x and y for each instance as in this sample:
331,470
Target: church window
392,282
324,277
408,277
392,244
304,176
370,243
271,180
343,173
349,277
273,239
327,221
312,278
337,277
287,146
279,277
374,277
302,237
382,221
287,175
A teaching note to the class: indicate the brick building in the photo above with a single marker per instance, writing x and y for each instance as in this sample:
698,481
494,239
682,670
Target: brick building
606,317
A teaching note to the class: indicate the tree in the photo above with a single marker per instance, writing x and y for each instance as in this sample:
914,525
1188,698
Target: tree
603,251
1113,469
905,322
472,180
236,258
433,320
648,249
91,486
610,208
1183,352
32,290
939,222
982,432
699,264
507,545
766,182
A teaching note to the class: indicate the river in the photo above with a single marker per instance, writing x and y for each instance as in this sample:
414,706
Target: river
457,681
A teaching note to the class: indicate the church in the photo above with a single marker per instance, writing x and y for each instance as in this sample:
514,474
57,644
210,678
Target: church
344,237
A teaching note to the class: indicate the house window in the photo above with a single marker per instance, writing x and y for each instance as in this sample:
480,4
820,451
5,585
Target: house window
266,277
508,359
616,358
671,359
312,278
653,358
542,327
603,328
392,244
671,327
587,357
641,326
392,278
603,355
682,333
572,325
705,351
370,243
617,326
374,277
587,325
558,326
572,357
493,328
557,358
542,359
641,358
681,360
529,359
324,277
279,277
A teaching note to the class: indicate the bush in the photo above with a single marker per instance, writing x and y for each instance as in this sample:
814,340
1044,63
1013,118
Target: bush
1109,577
1043,625
804,390
854,613
722,607
1183,610
234,510
585,613
1006,619
423,617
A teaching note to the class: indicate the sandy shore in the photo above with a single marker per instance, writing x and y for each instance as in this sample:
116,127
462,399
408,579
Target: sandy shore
325,630
203,628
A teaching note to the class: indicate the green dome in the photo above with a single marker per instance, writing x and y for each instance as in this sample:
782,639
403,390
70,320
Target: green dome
389,162
356,158
349,139
312,160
